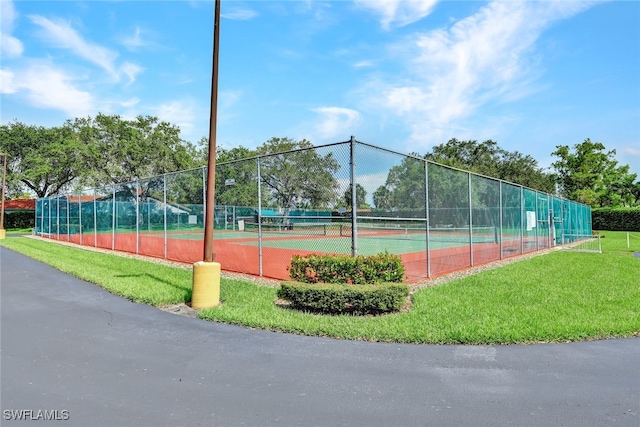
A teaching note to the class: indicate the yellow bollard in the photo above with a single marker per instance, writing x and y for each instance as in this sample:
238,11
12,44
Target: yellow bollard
3,234
206,285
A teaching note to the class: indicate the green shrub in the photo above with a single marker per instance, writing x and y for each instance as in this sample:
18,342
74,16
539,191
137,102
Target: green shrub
331,298
616,219
380,268
19,219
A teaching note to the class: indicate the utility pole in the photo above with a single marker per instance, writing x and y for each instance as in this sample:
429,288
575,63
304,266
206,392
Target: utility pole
206,273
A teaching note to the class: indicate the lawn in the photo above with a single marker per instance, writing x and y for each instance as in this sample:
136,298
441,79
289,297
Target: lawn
557,297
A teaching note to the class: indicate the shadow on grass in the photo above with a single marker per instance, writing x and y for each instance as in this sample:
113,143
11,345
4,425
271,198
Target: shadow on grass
187,292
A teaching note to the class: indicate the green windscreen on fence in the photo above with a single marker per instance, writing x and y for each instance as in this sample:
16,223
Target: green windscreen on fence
346,198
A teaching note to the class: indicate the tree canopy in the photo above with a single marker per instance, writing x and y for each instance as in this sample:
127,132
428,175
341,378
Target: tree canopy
121,150
405,183
299,179
108,149
589,174
90,151
44,160
489,159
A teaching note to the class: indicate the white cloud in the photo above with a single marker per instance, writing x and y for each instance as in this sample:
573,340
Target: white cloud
131,70
336,121
363,64
178,112
10,47
135,40
398,13
632,151
60,34
130,102
45,86
451,72
240,14
7,84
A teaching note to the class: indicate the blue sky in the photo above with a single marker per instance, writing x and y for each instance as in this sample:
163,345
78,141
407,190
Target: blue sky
401,74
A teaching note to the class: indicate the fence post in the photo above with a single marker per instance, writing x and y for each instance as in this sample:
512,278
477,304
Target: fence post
164,196
137,217
58,217
204,194
354,204
42,216
113,220
523,219
80,215
537,221
470,221
95,219
500,218
68,213
426,211
259,219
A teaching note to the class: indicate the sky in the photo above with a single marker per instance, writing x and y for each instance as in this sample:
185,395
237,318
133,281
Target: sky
400,74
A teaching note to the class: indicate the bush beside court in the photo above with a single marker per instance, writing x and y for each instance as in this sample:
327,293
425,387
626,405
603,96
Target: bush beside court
340,284
616,219
557,297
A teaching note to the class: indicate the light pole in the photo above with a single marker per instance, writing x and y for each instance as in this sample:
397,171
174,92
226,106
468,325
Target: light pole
206,273
3,232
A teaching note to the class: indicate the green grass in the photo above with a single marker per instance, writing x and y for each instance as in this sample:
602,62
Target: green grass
561,296
139,281
20,230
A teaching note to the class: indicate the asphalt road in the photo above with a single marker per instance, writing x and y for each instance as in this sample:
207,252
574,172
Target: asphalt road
93,359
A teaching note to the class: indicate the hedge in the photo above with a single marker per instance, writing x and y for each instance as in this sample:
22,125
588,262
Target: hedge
615,219
332,298
19,219
380,268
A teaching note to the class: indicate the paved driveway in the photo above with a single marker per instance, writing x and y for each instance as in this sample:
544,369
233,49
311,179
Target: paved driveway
78,352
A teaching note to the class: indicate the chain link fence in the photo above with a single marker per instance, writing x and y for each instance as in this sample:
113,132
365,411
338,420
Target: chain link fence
344,198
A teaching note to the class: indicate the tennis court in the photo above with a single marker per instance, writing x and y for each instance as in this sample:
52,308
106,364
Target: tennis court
345,198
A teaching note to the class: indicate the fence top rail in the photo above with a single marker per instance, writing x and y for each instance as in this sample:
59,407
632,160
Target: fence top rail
412,156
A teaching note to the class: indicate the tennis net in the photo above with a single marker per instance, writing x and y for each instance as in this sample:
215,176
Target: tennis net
297,229
445,234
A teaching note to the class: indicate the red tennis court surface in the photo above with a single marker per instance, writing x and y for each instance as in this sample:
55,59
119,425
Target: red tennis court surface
237,256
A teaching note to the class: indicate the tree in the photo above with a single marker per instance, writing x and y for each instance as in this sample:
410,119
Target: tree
236,177
361,197
404,188
299,177
44,160
487,158
592,176
120,150
383,198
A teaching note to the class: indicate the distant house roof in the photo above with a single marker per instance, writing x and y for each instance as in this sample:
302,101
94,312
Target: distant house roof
74,198
20,205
